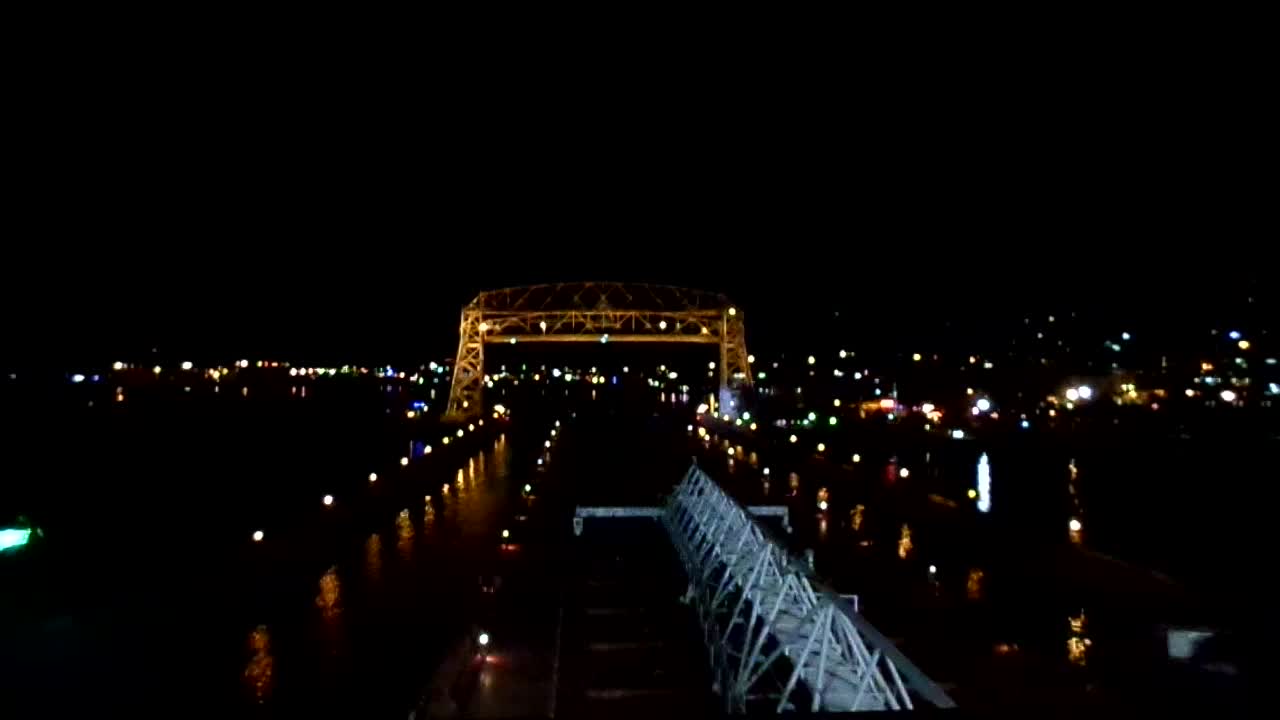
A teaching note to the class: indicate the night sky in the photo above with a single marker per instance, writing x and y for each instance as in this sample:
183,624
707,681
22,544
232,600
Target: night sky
339,219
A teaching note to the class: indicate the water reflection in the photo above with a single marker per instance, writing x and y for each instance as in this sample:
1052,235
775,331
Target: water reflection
373,558
973,586
260,671
404,535
330,594
855,516
904,542
1078,644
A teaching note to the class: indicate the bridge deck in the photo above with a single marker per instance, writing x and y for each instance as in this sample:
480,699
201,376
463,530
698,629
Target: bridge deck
628,645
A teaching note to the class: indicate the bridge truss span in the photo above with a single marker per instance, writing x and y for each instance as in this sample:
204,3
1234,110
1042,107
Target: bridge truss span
595,312
773,634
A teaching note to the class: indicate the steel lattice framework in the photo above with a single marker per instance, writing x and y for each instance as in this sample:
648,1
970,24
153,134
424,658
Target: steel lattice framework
758,605
594,312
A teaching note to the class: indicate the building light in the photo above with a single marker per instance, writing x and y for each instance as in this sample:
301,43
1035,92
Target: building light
187,365
812,360
822,447
14,537
662,324
328,500
404,461
1243,344
793,438
1234,334
751,359
904,473
983,404
1073,394
984,483
1228,396
1074,525
917,357
857,458
733,311
1085,392
258,535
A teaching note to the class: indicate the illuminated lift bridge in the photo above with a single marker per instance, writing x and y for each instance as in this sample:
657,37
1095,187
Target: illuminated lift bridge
596,312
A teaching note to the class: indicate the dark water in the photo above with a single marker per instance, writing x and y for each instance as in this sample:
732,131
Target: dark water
148,591
1012,607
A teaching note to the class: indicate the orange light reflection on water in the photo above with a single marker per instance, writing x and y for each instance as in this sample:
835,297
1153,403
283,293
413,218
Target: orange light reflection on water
259,674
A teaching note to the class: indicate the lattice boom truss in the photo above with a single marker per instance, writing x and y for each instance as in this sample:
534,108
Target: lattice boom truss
758,605
594,312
